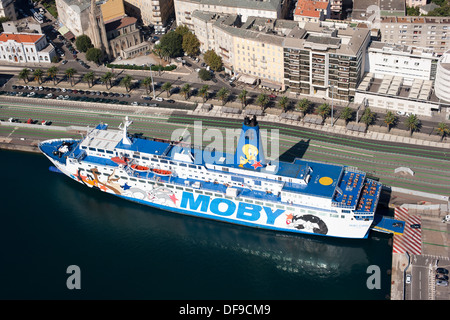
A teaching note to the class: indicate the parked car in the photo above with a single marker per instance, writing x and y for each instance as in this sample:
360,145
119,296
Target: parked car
442,283
408,279
441,277
159,99
415,226
442,270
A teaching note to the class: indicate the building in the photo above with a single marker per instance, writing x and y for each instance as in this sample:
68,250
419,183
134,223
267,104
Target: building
7,9
442,82
416,3
424,10
273,9
325,59
371,11
312,10
393,93
151,12
427,32
336,9
25,47
117,36
401,60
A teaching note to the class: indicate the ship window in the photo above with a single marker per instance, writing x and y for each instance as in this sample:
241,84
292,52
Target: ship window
133,179
109,152
136,157
92,149
83,147
145,158
192,166
208,193
190,190
179,188
154,160
101,150
183,165
163,161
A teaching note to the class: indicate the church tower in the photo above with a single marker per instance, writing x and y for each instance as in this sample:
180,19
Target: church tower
97,29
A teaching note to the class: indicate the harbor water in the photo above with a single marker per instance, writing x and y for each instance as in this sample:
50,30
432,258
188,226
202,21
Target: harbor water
130,251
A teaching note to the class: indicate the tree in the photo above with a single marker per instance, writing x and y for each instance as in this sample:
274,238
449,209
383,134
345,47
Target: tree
94,55
213,60
171,43
166,87
368,117
106,78
304,106
390,119
412,123
185,89
243,97
182,30
89,78
126,82
203,92
262,100
222,94
69,74
147,82
83,43
284,103
52,72
38,73
23,74
346,114
191,45
324,110
204,75
443,130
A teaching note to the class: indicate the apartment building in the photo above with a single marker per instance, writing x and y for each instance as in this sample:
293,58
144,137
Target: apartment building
427,32
252,49
273,9
150,12
25,47
416,3
325,59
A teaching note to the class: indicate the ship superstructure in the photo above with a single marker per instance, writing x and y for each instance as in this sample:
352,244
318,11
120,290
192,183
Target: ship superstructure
243,188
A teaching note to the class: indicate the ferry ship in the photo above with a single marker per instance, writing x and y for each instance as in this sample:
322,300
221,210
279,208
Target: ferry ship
243,188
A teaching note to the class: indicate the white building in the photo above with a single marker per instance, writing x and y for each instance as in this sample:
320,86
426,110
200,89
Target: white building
400,60
7,9
442,83
25,47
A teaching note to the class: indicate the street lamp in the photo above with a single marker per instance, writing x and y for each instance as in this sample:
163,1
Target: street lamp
151,76
332,103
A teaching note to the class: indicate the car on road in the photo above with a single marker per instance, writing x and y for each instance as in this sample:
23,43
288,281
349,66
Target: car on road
415,226
170,101
408,279
49,96
31,94
135,103
442,270
153,105
159,99
64,62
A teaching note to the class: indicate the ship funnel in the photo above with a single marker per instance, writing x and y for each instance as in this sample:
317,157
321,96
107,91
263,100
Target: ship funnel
250,152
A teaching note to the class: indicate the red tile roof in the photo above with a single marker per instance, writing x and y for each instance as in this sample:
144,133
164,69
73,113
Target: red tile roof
310,8
22,38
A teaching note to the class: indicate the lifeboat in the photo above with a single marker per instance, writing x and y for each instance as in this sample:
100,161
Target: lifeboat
120,160
139,168
162,172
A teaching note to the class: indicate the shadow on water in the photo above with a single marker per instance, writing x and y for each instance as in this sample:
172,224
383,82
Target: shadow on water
131,251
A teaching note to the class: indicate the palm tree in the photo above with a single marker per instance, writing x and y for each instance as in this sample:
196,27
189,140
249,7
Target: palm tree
368,117
443,130
126,82
185,89
262,100
284,103
147,82
70,73
222,94
243,97
412,123
324,110
346,114
304,106
106,78
204,92
390,119
38,73
23,75
166,87
52,72
89,78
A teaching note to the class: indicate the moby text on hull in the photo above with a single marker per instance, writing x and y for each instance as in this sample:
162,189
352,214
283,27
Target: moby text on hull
243,188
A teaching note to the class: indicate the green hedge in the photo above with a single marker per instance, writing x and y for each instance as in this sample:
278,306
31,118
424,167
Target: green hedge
131,67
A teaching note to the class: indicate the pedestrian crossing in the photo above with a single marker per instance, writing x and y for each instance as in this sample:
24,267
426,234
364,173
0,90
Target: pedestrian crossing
411,239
